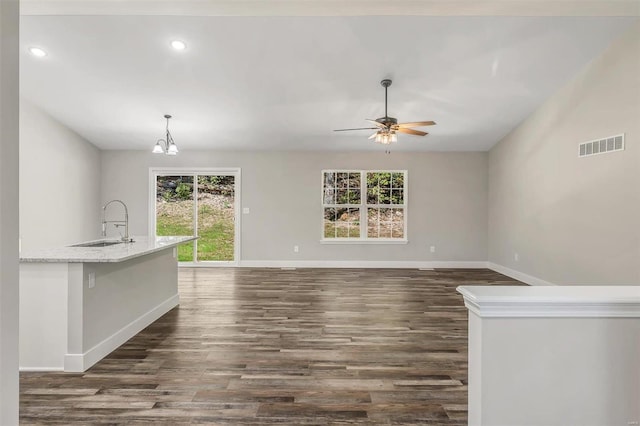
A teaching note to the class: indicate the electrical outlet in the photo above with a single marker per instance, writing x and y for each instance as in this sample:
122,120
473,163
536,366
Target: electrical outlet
516,257
245,210
296,249
92,279
432,249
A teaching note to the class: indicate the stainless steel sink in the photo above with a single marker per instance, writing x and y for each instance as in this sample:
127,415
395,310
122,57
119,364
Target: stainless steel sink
97,244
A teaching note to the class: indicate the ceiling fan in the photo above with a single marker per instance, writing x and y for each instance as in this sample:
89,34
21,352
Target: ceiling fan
388,126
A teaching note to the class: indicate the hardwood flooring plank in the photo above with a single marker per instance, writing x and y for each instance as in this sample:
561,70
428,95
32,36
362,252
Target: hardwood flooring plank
272,347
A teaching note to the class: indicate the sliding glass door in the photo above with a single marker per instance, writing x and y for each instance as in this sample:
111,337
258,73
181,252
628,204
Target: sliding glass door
198,202
175,211
216,218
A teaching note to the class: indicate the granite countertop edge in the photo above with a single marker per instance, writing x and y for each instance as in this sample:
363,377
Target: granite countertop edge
140,246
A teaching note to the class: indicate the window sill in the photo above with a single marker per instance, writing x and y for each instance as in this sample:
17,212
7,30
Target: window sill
356,241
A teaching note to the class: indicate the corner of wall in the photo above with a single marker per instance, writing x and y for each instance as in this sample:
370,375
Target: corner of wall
570,219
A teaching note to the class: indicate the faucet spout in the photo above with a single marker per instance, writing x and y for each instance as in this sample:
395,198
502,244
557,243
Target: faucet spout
125,238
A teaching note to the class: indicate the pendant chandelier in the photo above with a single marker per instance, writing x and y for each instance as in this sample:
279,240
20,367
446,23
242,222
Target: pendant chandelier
166,146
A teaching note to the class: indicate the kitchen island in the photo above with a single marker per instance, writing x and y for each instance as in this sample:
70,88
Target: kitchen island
77,304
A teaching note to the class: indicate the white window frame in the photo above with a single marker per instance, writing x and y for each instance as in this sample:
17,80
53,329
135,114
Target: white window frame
363,239
154,172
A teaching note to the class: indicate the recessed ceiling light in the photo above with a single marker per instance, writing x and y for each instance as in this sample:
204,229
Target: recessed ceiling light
36,51
178,45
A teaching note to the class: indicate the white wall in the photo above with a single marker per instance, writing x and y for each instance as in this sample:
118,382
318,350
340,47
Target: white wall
59,182
124,292
573,220
554,371
9,77
447,201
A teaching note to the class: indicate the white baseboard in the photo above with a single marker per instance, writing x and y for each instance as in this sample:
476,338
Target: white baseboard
520,276
361,264
391,264
82,362
40,369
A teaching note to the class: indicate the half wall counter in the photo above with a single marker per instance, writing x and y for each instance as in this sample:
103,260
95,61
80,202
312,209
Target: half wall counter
79,303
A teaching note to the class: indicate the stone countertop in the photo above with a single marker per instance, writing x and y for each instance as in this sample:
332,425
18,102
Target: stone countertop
115,253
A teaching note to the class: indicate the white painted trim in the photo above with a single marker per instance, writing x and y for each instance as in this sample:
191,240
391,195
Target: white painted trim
517,275
361,264
552,302
82,362
331,8
208,264
40,369
360,241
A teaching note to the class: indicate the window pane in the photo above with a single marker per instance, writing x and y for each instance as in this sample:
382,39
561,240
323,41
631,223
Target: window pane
372,223
342,180
397,180
397,230
329,223
354,196
372,180
354,180
384,179
329,193
174,210
342,229
372,195
354,223
385,196
329,179
385,230
329,196
398,215
397,223
216,215
343,196
386,219
397,196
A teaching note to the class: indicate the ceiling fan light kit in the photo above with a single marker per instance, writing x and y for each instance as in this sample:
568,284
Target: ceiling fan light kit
385,138
388,127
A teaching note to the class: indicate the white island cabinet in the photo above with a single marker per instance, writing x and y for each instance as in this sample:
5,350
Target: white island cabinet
77,304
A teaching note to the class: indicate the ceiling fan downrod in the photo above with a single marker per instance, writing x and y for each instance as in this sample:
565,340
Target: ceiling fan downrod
385,83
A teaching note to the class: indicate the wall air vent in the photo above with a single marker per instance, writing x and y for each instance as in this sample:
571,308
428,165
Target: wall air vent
601,146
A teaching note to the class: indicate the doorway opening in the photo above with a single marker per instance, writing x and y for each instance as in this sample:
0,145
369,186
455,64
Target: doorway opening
199,202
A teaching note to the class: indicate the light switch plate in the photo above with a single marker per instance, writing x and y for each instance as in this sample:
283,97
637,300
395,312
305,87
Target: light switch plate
92,279
245,210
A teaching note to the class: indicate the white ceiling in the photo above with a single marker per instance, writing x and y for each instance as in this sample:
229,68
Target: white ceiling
276,83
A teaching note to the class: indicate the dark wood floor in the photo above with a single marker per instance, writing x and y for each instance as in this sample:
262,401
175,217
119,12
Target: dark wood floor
267,346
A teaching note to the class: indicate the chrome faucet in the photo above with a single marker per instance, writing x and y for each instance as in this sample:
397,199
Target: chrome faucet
117,223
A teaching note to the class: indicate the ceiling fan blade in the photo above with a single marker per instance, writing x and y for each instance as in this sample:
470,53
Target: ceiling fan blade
377,123
416,124
359,128
373,135
412,132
